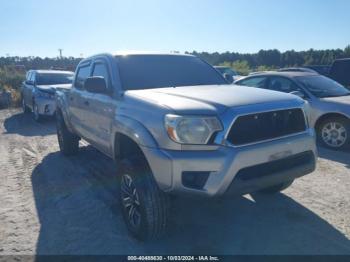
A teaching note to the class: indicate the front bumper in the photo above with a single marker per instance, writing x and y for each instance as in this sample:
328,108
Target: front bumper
46,106
223,167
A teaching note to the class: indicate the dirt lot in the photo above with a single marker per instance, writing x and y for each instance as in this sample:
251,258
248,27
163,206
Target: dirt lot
51,204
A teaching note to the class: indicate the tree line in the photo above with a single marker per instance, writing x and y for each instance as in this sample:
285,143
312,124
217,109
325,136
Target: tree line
264,58
13,68
275,59
26,63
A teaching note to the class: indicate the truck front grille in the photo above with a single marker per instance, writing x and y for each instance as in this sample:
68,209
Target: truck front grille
258,127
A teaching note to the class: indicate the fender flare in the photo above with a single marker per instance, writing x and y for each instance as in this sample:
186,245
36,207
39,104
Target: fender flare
61,104
134,130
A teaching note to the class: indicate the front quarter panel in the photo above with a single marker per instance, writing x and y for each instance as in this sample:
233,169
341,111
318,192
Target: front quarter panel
62,104
319,108
134,130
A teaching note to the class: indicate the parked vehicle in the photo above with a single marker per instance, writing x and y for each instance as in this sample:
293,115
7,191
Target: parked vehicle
255,73
328,100
229,74
321,69
174,126
297,69
38,91
340,72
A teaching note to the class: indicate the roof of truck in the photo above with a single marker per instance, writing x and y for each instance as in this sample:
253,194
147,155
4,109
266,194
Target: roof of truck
129,53
124,53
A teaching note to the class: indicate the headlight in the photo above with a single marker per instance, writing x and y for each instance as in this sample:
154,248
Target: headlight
191,129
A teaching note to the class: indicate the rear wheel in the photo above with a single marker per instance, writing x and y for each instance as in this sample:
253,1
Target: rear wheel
68,142
334,133
144,206
277,188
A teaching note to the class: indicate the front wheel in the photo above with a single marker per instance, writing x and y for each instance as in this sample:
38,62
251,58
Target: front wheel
24,106
144,206
37,116
334,133
68,142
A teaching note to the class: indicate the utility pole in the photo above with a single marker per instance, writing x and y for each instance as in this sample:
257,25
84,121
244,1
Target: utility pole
60,50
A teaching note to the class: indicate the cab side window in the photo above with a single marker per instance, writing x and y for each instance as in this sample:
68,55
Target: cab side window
32,77
282,84
29,75
82,74
259,82
100,69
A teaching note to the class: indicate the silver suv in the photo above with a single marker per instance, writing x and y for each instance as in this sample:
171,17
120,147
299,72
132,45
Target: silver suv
175,126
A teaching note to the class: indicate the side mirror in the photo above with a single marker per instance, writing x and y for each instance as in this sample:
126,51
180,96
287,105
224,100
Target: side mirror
29,82
228,78
298,93
96,84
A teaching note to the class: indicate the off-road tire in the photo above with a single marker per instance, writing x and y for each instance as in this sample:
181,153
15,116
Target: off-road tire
68,142
153,203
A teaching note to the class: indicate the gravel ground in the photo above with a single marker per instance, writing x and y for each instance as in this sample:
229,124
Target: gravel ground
51,204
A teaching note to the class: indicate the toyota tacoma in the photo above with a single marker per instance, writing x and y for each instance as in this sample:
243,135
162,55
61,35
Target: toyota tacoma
174,126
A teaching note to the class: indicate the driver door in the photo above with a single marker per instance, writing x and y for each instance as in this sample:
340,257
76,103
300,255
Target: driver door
101,110
77,108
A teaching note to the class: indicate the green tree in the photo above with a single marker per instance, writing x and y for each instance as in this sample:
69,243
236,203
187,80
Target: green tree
347,51
241,67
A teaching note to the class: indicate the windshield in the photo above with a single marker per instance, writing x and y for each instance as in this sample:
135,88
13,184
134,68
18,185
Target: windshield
322,86
54,79
159,71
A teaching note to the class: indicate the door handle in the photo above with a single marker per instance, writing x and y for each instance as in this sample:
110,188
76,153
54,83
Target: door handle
71,98
86,103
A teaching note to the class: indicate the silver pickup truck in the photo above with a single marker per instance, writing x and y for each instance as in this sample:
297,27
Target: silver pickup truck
175,126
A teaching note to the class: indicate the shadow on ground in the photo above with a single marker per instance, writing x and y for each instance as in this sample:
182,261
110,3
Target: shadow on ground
78,211
24,125
342,157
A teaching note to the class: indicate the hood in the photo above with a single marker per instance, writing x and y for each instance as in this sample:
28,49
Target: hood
53,88
210,99
339,99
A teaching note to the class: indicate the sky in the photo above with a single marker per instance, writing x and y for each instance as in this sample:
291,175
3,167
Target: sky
84,27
